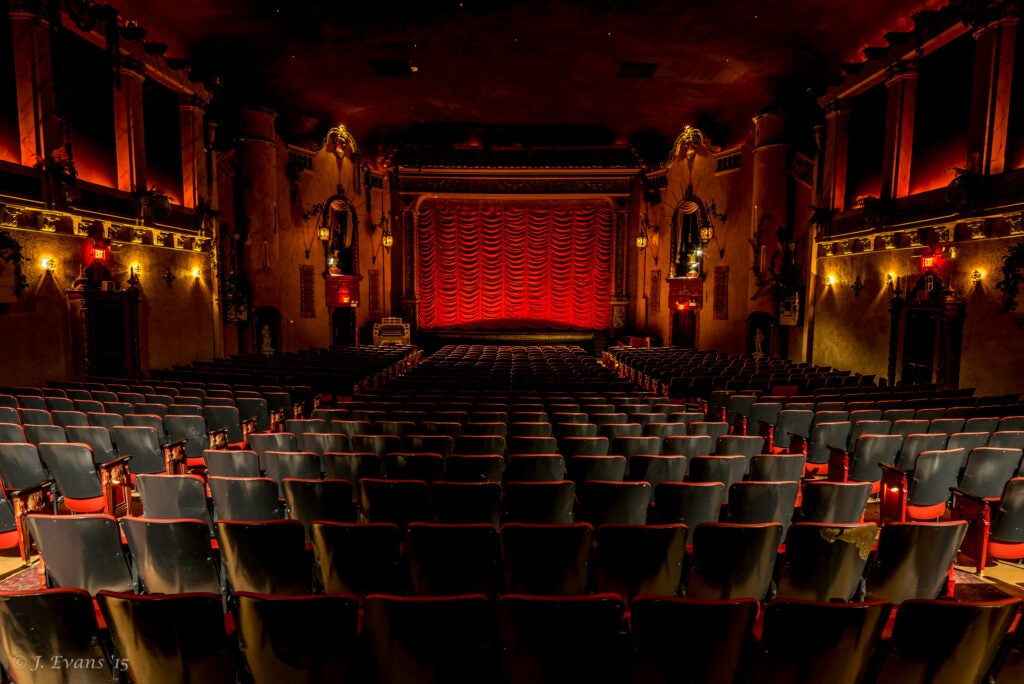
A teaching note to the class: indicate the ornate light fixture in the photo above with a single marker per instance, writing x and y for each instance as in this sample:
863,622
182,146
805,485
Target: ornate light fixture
641,239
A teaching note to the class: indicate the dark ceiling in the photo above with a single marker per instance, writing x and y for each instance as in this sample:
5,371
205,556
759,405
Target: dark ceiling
528,72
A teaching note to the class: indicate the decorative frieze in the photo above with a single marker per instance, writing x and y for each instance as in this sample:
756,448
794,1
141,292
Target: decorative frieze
1016,224
977,229
887,240
943,233
865,244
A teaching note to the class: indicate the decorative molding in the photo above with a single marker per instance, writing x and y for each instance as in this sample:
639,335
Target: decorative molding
48,221
865,244
1016,224
943,233
846,246
888,240
9,215
914,238
977,229
515,186
828,248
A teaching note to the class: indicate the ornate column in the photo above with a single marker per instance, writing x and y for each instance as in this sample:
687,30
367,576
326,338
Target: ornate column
992,88
194,171
256,213
409,298
619,299
129,126
837,144
899,129
772,193
39,125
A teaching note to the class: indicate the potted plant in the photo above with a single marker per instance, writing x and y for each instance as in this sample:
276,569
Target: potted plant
1013,274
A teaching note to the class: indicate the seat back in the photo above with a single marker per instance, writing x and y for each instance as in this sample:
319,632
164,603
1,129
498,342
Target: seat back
143,444
396,501
170,637
791,421
539,502
548,639
357,559
296,638
82,551
602,502
834,502
690,503
60,621
244,498
712,637
174,496
466,502
988,470
231,463
824,561
20,466
733,560
265,556
868,452
307,500
191,428
631,560
959,639
913,559
813,641
432,638
935,472
760,502
448,560
172,556
547,560
72,466
274,441
916,443
490,468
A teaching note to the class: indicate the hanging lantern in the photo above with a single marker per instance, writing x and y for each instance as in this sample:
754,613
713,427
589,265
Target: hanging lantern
641,240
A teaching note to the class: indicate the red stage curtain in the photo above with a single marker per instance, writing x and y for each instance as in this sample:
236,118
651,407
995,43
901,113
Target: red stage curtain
514,264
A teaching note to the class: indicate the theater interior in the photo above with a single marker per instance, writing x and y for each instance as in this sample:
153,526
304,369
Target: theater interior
691,330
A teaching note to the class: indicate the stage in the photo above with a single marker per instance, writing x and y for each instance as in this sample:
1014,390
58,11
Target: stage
594,341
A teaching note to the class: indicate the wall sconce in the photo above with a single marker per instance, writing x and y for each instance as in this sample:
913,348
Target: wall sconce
169,277
641,239
857,286
196,272
49,265
387,239
830,280
890,282
976,278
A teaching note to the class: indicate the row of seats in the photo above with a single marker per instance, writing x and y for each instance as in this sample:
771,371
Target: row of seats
306,496
899,562
336,371
517,639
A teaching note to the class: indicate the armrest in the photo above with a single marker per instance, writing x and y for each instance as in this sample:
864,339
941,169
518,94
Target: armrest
218,438
797,444
966,495
277,419
894,491
174,456
248,427
42,485
892,470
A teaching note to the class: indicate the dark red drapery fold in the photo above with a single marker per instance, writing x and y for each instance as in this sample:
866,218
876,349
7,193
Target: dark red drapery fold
514,264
